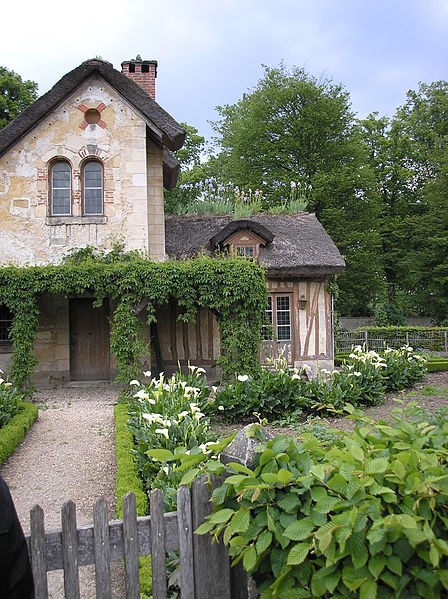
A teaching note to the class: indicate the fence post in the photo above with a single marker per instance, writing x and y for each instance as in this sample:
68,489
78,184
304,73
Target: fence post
102,549
211,561
366,340
38,552
130,546
185,528
407,337
70,550
157,544
446,342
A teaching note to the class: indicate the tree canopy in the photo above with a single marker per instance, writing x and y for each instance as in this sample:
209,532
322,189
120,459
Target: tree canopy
15,95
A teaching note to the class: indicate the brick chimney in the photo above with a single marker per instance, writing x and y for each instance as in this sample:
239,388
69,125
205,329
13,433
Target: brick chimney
143,72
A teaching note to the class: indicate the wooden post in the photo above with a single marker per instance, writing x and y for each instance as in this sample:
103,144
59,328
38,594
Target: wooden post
366,340
185,528
70,550
130,539
446,341
211,561
38,552
157,544
102,549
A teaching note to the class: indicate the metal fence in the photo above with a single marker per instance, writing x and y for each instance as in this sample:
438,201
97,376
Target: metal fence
429,340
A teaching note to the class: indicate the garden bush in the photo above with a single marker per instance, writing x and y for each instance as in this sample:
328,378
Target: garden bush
364,517
14,432
403,368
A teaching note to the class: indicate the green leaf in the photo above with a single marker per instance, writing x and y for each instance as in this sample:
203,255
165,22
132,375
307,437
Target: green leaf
189,476
289,502
263,541
266,456
357,452
204,528
285,476
160,455
299,530
368,590
239,468
337,483
376,466
235,479
376,565
394,564
250,558
298,553
240,521
358,549
434,556
325,541
219,494
221,516
399,469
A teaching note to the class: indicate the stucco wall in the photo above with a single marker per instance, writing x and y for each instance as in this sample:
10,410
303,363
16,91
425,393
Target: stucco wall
133,182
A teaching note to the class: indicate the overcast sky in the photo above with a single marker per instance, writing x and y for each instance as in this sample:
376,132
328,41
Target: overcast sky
211,51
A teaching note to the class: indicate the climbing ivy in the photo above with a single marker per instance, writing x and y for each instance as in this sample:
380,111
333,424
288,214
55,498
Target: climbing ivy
234,289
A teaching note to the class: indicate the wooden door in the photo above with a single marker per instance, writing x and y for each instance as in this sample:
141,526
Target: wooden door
89,341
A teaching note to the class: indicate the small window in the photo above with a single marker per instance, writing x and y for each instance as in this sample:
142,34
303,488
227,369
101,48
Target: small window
5,325
93,187
278,315
61,188
245,251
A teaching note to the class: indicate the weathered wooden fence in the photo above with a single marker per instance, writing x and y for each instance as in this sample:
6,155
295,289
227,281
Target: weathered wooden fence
204,567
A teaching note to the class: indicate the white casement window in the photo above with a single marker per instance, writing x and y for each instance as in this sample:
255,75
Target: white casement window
61,188
92,188
278,315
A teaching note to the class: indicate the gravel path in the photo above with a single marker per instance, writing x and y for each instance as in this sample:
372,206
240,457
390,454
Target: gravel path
67,454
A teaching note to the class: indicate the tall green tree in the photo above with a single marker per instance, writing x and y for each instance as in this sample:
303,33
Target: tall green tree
192,170
15,95
293,129
408,156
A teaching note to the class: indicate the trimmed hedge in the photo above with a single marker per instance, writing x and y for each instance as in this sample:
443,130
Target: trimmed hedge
396,329
436,365
14,432
128,480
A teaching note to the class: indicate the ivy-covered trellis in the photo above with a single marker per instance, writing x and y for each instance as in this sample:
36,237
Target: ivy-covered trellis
233,289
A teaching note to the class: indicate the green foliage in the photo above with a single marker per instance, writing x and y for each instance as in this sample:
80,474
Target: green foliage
437,365
364,517
14,432
9,401
15,95
403,368
129,480
389,314
282,396
233,289
165,415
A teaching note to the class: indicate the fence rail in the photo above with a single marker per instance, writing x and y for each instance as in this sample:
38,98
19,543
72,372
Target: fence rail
431,340
204,567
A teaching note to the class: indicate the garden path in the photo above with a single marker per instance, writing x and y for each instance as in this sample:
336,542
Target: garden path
67,454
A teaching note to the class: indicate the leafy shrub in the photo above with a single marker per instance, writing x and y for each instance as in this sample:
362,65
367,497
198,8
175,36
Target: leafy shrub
9,399
271,395
403,368
13,432
164,416
366,517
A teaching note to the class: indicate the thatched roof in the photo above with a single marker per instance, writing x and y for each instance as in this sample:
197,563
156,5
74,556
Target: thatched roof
300,245
171,137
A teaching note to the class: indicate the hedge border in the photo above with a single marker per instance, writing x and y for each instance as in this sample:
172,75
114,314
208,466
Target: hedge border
14,432
128,480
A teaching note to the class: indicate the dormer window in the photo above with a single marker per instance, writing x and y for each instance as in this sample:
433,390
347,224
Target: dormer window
60,188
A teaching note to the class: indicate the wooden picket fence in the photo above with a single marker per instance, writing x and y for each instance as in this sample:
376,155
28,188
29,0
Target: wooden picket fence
205,572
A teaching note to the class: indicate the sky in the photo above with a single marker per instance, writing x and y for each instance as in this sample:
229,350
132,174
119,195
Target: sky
211,51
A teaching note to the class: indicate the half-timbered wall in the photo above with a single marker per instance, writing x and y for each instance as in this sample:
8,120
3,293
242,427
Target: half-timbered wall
197,343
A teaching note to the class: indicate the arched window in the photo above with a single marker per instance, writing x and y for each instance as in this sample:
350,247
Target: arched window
92,185
61,188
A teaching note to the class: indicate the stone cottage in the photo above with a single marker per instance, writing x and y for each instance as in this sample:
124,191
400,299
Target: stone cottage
86,164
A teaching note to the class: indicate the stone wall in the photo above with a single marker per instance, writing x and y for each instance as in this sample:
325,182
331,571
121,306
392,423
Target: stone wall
133,182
